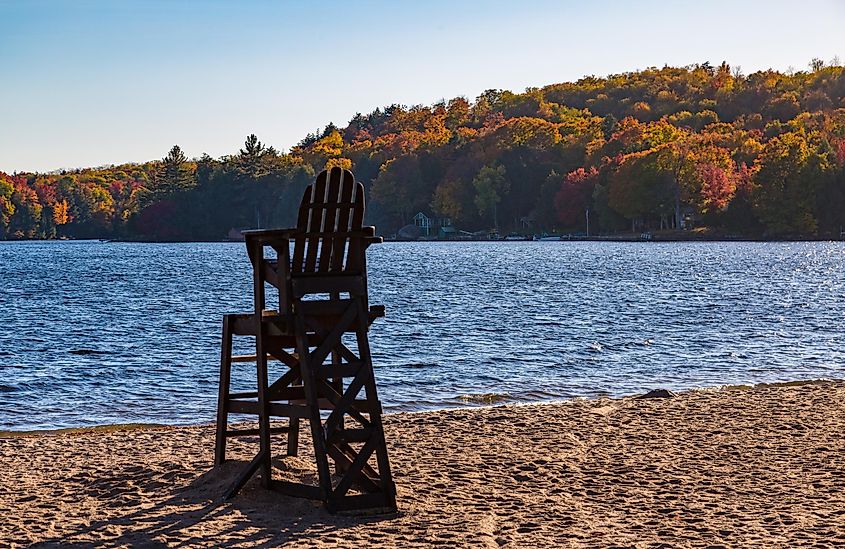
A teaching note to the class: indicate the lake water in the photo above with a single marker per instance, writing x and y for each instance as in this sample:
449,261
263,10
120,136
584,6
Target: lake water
97,333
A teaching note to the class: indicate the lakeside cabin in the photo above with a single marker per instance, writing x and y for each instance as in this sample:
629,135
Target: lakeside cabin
441,226
428,227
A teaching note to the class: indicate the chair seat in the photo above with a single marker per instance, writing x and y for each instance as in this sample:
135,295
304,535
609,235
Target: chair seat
243,324
319,283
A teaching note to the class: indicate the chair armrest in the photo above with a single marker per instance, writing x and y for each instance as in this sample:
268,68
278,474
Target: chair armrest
264,235
368,235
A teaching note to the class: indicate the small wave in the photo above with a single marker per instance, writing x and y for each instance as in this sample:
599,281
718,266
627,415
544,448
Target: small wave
5,353
763,385
485,398
7,388
84,352
796,383
416,365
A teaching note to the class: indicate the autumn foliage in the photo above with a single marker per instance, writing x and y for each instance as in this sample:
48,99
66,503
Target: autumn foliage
671,148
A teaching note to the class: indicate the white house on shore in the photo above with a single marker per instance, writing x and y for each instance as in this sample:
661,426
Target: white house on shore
432,226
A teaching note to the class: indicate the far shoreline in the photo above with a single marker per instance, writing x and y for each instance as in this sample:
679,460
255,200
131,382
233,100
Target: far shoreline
612,239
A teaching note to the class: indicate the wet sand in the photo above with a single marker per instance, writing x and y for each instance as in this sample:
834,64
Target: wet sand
753,467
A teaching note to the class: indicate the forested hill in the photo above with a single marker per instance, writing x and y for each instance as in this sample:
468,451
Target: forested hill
699,147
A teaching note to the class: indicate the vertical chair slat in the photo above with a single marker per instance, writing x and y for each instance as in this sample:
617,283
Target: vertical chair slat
353,261
358,211
341,239
315,224
329,221
302,226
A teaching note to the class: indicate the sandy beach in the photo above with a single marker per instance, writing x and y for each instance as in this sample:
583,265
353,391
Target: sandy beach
750,467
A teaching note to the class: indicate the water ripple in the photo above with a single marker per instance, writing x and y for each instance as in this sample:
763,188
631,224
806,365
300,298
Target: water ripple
115,332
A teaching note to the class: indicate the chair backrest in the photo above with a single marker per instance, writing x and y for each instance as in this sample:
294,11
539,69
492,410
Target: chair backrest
332,207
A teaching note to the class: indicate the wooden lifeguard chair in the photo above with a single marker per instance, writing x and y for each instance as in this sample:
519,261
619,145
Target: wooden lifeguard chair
319,271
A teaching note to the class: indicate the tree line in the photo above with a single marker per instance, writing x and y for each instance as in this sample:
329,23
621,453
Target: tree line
699,147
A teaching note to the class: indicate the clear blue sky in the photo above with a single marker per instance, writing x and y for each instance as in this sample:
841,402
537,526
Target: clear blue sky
88,83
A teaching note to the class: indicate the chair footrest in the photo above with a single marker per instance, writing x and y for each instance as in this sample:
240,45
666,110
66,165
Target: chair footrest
350,369
351,435
237,396
276,409
254,432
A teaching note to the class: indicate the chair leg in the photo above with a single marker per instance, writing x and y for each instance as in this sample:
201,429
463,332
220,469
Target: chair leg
356,470
293,436
311,398
223,394
263,407
337,384
387,486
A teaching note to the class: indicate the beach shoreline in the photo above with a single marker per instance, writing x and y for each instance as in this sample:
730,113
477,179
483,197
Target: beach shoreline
471,402
759,466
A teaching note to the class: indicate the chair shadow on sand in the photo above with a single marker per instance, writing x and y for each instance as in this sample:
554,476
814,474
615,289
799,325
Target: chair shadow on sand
197,514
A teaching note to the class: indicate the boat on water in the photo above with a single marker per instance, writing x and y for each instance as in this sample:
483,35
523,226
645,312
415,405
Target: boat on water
546,237
515,236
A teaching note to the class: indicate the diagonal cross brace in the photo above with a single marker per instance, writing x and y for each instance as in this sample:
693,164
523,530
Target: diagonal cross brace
354,470
345,402
333,338
368,479
329,392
